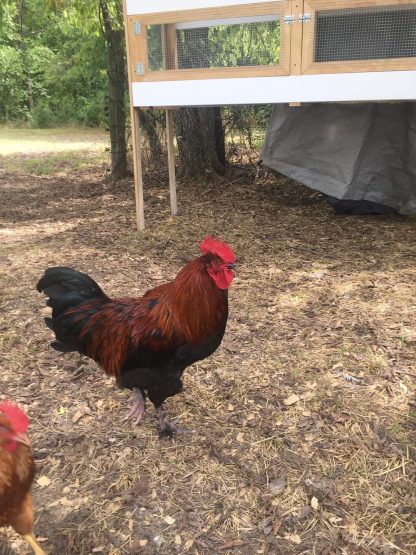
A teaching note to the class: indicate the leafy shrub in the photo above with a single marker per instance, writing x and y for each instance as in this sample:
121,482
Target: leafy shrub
41,115
12,85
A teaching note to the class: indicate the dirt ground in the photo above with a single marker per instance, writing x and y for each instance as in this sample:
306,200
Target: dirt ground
304,414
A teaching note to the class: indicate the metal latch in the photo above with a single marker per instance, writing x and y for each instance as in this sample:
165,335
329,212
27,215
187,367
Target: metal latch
137,28
139,69
289,19
305,17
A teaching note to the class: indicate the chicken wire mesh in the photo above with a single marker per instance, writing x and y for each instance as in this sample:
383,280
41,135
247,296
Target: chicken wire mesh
371,33
232,42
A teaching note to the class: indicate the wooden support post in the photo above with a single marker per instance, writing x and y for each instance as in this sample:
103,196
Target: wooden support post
171,163
138,169
135,127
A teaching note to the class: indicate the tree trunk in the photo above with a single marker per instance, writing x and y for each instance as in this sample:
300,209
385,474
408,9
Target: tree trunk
200,141
219,135
149,123
23,50
199,131
116,95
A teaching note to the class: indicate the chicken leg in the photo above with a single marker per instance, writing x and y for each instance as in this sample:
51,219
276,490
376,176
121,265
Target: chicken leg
30,539
138,407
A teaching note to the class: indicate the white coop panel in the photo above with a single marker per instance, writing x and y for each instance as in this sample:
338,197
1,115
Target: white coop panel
345,87
134,7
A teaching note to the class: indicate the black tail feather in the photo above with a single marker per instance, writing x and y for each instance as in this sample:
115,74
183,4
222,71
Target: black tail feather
60,280
67,288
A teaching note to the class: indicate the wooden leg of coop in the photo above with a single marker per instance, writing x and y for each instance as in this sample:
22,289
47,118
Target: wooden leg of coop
138,169
171,163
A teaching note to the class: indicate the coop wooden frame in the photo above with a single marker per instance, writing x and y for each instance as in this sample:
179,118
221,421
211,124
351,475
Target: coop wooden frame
296,79
138,42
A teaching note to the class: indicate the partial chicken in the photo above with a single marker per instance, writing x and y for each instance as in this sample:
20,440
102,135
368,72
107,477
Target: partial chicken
17,471
146,342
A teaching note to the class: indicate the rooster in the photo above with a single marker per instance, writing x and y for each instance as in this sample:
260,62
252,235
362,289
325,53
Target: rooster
17,471
145,342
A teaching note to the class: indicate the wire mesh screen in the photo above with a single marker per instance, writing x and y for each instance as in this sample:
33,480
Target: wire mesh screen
382,32
233,42
155,47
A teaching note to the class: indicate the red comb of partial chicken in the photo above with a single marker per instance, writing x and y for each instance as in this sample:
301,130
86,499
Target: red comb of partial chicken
16,416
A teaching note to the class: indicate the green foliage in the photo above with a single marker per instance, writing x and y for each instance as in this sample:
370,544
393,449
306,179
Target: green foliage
244,128
53,66
243,44
7,22
41,115
78,83
12,85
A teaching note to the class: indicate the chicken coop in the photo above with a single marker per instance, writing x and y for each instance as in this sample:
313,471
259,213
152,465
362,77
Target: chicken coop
224,52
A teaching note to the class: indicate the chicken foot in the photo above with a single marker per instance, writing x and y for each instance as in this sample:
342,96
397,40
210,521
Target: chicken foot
138,407
30,539
168,430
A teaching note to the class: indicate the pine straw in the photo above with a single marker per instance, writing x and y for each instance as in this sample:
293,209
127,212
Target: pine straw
321,314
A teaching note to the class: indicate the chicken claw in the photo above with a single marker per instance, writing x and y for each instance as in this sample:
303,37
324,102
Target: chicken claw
167,430
30,539
138,407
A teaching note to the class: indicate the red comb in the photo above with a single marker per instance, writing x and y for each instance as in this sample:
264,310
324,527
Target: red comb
218,247
16,416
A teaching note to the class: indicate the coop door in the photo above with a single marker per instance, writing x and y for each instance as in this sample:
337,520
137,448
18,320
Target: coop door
228,41
358,35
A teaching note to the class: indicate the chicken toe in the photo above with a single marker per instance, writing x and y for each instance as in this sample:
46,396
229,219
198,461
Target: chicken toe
30,539
168,430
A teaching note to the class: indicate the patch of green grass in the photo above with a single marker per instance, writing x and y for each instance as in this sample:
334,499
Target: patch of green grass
24,141
376,363
296,371
51,151
48,164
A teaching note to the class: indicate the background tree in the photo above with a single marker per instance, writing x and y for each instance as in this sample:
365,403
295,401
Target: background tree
114,34
63,62
66,65
107,16
199,131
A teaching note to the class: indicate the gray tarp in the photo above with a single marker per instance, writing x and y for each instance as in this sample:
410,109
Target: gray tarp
360,152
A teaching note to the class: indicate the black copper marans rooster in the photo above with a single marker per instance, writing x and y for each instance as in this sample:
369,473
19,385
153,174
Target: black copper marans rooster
146,342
